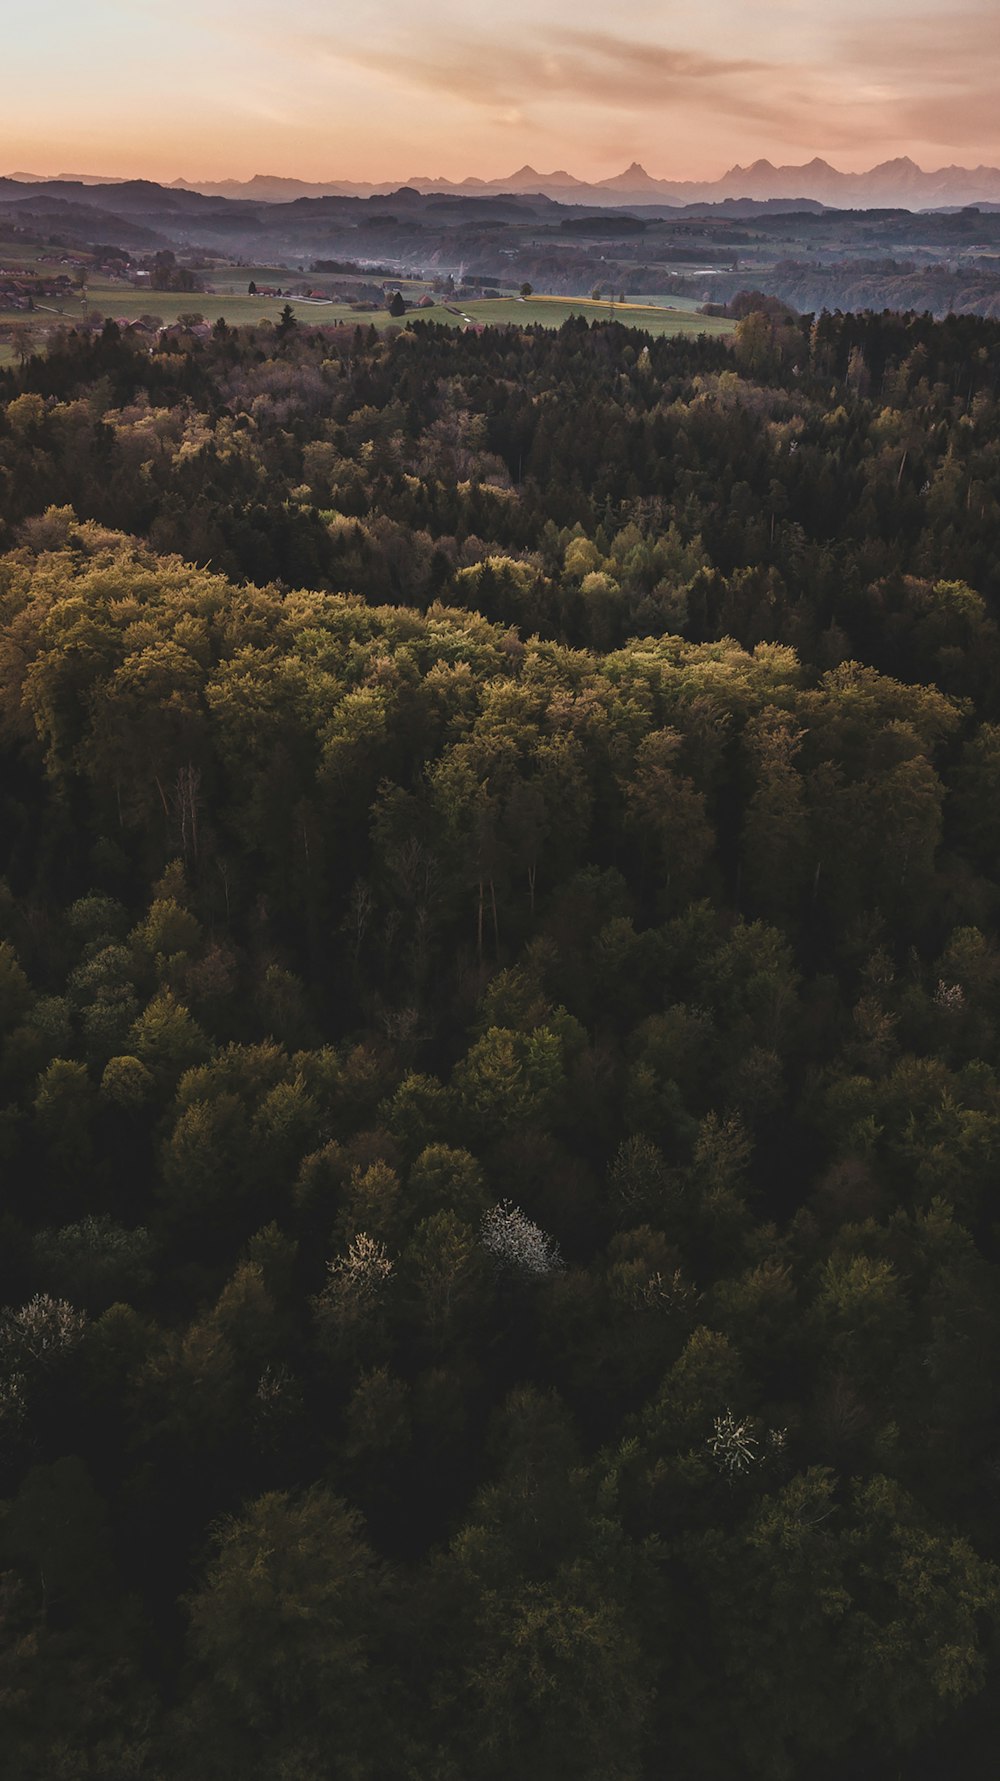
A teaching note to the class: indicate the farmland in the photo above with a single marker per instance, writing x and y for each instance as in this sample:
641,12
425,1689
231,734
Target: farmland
655,317
94,290
122,302
550,312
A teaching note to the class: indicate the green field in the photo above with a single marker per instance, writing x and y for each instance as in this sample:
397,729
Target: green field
655,317
119,300
658,317
551,312
659,314
660,300
236,278
24,255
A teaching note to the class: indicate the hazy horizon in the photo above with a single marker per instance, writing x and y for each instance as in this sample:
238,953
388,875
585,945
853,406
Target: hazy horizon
159,92
485,175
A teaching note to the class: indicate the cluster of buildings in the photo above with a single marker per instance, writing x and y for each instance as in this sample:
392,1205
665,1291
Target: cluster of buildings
21,290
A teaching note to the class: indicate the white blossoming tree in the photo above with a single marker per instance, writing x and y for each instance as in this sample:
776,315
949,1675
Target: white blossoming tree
42,1331
515,1245
949,997
737,1446
354,1296
733,1445
365,1265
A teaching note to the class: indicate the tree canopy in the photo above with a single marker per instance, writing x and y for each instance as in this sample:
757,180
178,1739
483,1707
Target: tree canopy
500,1053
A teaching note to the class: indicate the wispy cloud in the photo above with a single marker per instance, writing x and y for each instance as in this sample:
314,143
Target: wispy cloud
941,48
592,68
831,80
936,75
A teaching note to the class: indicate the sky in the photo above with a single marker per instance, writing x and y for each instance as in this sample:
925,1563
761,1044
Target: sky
212,89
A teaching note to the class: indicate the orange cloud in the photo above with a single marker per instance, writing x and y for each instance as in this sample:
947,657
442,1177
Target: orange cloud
883,83
596,68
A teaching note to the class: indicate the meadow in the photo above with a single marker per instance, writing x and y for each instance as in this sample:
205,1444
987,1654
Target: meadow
550,312
656,317
659,315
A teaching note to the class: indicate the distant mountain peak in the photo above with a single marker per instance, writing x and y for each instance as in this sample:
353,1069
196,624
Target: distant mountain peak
529,179
897,182
634,179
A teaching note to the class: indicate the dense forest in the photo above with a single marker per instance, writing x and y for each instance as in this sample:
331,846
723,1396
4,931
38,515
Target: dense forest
500,1054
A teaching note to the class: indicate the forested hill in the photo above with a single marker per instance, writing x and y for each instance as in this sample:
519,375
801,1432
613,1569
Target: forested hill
500,1055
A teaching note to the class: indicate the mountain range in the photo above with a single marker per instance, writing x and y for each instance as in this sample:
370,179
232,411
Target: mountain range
898,183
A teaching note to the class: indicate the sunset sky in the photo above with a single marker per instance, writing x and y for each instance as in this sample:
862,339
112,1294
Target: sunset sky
162,88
